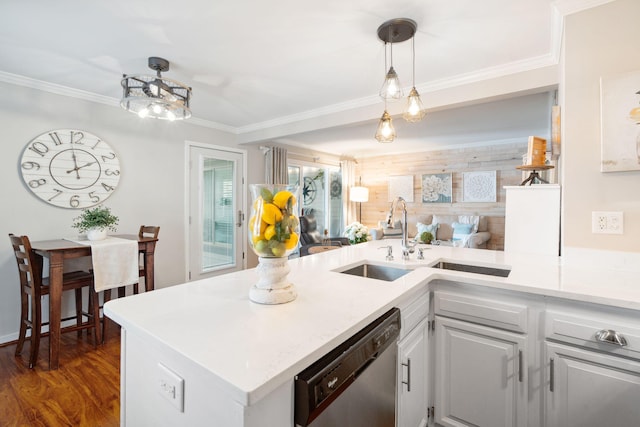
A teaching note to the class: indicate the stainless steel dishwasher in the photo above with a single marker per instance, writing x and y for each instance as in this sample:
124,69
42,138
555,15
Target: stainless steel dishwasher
354,384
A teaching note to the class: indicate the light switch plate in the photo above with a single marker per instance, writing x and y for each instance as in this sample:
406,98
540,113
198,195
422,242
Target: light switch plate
171,386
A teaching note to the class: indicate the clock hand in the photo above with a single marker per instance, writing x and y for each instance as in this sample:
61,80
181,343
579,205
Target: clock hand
75,162
85,165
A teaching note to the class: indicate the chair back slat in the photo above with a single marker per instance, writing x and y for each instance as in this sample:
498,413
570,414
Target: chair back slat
28,266
149,231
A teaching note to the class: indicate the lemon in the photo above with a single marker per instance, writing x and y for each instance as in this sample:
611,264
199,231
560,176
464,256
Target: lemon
253,230
269,232
282,197
292,241
271,213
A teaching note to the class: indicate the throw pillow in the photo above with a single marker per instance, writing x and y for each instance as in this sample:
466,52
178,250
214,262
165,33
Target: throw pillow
461,231
431,228
470,219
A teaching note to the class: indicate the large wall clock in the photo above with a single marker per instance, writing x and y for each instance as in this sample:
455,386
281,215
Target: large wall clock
70,168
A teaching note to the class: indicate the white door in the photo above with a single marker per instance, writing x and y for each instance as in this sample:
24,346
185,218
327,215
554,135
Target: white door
413,378
480,376
217,239
589,389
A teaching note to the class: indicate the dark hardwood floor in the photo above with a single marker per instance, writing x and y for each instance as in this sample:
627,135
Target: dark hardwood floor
84,391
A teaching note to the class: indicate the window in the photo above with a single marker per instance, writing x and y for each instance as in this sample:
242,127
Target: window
320,194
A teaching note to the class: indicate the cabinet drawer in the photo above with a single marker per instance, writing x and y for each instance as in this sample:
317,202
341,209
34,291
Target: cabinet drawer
582,328
414,312
504,315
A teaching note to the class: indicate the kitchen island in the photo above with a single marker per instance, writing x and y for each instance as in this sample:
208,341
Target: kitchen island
201,353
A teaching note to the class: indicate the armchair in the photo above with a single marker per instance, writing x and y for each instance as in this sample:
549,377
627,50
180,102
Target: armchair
310,236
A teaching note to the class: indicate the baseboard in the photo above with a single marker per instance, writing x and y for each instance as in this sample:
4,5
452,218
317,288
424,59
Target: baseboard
9,339
595,258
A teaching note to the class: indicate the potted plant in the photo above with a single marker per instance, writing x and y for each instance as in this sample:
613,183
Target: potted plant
426,237
95,222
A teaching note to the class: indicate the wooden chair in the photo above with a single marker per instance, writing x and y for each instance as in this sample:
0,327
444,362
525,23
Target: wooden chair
150,231
33,286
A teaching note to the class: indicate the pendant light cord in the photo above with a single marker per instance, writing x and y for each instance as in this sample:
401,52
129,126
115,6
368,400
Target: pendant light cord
413,48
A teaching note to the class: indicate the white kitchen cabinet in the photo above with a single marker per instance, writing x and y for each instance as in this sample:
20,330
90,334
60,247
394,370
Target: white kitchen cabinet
480,375
532,219
413,378
590,389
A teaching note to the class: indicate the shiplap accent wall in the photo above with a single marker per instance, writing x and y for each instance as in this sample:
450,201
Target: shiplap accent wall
503,159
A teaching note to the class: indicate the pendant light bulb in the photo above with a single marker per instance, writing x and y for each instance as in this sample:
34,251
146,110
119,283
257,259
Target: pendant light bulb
391,88
415,110
385,131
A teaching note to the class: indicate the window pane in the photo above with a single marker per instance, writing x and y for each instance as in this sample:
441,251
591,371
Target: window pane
218,214
335,203
313,195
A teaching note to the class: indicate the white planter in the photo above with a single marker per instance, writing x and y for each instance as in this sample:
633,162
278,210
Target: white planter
96,234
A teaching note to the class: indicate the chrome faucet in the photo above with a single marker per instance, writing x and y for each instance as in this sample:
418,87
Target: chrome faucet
407,247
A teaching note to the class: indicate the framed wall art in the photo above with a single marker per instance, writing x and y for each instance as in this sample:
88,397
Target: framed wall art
620,122
479,186
401,186
437,188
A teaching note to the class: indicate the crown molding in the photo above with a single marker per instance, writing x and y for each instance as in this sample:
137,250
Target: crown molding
458,80
57,89
569,7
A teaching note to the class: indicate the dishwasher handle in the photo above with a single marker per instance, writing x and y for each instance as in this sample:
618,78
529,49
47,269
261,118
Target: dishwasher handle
610,336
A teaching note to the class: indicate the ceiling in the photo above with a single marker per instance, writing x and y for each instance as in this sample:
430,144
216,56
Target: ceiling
262,65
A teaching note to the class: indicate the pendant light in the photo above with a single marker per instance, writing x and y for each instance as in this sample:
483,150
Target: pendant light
385,132
415,110
391,88
390,32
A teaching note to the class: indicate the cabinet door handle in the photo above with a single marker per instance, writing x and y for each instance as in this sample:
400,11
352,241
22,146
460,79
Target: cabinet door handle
551,374
408,382
611,337
240,218
520,367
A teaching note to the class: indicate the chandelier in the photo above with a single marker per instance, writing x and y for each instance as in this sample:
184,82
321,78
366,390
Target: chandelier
390,32
156,96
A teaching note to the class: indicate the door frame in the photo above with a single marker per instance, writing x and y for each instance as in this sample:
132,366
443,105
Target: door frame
241,203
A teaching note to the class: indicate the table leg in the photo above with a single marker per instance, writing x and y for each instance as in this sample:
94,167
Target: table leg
55,307
149,267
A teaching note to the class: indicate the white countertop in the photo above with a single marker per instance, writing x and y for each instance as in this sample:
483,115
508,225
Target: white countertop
251,349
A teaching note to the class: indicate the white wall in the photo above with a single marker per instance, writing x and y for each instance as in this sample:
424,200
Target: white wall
602,41
151,189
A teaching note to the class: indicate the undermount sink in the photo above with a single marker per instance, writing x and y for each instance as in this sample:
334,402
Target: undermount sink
468,268
379,272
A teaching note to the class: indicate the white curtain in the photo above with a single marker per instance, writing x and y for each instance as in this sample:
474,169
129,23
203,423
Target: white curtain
348,181
275,166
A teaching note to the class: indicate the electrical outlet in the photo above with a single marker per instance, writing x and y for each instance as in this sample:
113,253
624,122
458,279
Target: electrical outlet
607,222
171,386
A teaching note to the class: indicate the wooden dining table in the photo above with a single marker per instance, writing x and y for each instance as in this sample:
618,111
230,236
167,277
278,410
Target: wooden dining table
59,250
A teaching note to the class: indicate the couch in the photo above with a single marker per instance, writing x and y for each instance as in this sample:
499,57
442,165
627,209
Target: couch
384,231
477,237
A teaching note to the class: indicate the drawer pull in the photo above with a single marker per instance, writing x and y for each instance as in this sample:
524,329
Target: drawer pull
408,382
611,337
520,367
